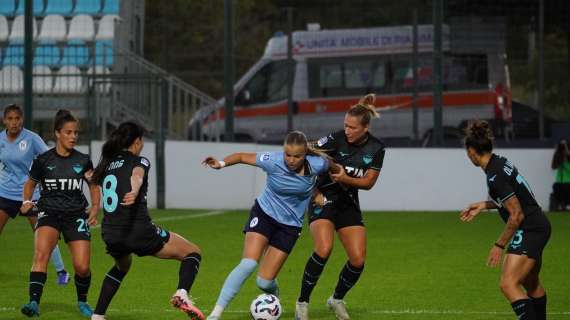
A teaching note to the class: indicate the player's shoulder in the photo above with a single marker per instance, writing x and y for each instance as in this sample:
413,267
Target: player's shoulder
50,153
140,160
375,143
80,155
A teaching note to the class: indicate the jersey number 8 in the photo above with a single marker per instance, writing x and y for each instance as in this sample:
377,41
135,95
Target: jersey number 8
110,197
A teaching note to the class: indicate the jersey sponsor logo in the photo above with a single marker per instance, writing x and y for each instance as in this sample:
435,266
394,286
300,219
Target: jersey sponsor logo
145,162
23,145
354,172
77,168
63,184
322,141
264,157
492,179
50,168
253,222
367,159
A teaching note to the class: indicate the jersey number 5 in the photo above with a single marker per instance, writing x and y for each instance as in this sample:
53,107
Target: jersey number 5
110,197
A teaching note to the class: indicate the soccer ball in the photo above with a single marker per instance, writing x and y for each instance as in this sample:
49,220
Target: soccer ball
265,307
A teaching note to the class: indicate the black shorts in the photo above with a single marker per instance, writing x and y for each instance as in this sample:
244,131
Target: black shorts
531,241
11,207
342,212
142,239
280,236
72,225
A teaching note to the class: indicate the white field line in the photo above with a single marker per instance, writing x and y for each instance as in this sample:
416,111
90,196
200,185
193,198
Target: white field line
182,217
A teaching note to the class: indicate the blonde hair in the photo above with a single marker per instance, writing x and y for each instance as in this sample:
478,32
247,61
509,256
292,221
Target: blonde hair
365,109
298,138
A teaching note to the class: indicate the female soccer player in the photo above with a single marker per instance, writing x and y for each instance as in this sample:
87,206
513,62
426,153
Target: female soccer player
62,210
527,228
127,227
277,215
361,156
18,147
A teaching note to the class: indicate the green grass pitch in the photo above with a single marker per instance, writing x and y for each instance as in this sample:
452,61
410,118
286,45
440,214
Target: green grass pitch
421,265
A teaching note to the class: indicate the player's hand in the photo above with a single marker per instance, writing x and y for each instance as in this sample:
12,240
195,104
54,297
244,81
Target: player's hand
318,199
129,198
495,256
471,211
92,219
339,175
212,163
26,207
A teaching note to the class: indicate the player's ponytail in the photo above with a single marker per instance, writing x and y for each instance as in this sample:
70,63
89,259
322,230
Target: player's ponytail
365,109
479,136
120,139
298,138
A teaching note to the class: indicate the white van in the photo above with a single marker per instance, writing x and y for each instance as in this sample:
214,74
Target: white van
334,68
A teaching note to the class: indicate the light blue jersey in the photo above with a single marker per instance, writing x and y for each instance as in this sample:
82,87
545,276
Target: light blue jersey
287,194
15,160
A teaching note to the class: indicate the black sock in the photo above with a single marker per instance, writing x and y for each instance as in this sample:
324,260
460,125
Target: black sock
37,282
539,307
188,271
82,285
524,309
313,270
347,279
111,284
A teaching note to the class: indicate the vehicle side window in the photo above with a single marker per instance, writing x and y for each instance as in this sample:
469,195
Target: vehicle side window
346,76
267,85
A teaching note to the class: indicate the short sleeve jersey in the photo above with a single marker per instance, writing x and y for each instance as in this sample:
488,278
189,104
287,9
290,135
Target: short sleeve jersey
356,160
117,183
61,179
15,160
504,181
286,195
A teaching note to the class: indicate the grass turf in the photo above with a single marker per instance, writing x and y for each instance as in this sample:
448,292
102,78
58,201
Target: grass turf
420,265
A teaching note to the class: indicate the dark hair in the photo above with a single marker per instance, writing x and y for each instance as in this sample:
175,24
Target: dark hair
120,139
298,138
365,109
560,154
479,136
62,117
13,108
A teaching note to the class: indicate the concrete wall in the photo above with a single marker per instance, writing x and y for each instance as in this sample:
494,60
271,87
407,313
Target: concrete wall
412,179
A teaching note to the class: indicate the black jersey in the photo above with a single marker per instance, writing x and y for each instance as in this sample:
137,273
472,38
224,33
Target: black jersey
356,160
504,181
61,179
117,183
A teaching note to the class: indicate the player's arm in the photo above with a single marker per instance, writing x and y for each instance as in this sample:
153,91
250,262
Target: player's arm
27,194
366,182
474,209
516,217
95,194
137,179
235,158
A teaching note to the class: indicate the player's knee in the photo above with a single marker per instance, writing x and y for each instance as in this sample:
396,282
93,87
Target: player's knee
507,284
324,250
358,259
41,257
81,270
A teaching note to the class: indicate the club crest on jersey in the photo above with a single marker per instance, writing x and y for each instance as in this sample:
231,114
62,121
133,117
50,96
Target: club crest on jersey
367,159
264,157
321,142
23,145
77,168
